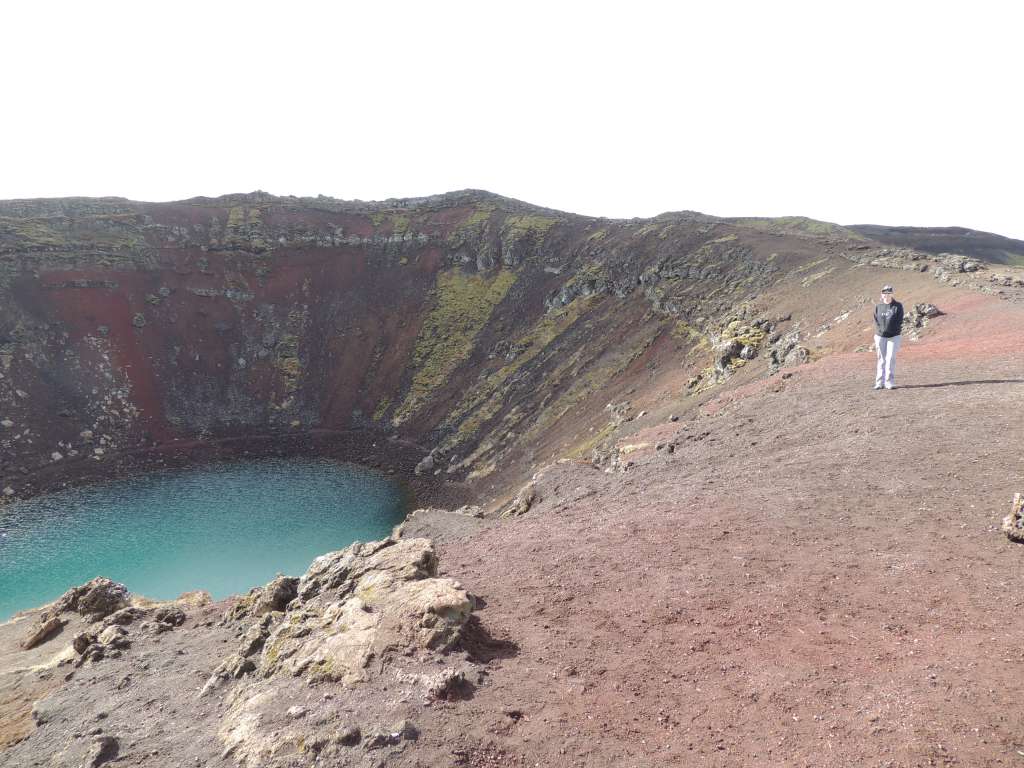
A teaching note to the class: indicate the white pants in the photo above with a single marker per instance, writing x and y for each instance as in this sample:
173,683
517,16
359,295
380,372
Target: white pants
886,370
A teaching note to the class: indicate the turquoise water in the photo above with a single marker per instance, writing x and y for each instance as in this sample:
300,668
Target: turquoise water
224,528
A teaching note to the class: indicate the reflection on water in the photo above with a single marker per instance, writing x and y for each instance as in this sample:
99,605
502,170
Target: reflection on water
223,528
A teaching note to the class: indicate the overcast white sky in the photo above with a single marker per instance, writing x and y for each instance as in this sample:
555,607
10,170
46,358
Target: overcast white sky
882,112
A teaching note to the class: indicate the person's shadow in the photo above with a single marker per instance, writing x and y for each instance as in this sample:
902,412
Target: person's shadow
961,383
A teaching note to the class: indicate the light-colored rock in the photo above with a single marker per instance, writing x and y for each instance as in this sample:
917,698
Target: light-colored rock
389,600
43,632
625,450
369,602
114,636
103,750
523,501
95,599
241,733
274,596
1013,523
425,465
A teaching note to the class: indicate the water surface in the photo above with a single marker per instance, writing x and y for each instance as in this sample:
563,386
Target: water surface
224,528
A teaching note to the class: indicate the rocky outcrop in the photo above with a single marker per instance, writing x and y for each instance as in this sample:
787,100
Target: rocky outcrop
106,612
786,351
95,599
528,495
260,601
362,617
1013,523
102,750
337,664
360,603
952,267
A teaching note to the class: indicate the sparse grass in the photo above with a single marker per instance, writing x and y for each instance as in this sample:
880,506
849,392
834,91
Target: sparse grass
647,229
517,226
584,449
481,214
382,408
684,331
118,231
473,225
287,362
587,378
397,221
483,402
463,304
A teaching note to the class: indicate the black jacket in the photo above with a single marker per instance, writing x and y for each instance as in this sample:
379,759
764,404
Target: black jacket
888,319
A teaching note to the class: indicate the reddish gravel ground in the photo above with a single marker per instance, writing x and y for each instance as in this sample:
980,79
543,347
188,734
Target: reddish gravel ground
795,585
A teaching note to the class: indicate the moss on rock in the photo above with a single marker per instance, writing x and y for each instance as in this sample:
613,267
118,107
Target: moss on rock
485,400
463,303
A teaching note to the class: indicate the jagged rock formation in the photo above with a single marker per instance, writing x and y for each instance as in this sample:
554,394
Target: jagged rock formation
315,659
354,613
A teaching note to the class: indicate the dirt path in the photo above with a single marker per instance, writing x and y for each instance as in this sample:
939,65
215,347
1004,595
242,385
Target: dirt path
792,586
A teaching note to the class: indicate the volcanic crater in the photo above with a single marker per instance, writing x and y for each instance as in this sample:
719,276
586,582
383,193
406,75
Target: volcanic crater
665,520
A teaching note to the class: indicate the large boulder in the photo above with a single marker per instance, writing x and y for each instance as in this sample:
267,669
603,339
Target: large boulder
379,602
523,501
350,606
95,599
361,602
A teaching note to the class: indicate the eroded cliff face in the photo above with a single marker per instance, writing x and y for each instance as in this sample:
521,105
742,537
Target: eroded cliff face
467,323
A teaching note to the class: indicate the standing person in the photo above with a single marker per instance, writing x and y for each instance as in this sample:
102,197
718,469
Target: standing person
888,326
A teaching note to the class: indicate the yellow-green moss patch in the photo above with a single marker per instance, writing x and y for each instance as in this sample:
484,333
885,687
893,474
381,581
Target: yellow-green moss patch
382,408
397,221
463,304
747,335
528,224
584,449
487,398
